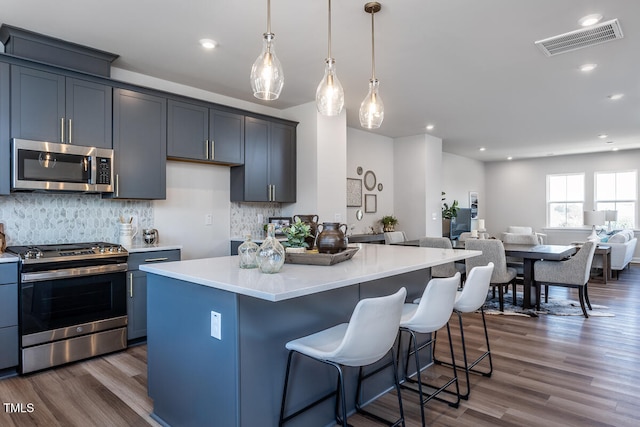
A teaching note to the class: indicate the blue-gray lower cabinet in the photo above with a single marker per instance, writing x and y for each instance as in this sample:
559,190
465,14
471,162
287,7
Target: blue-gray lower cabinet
8,315
137,289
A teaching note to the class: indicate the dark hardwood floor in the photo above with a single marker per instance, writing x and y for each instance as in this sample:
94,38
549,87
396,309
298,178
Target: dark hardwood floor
550,370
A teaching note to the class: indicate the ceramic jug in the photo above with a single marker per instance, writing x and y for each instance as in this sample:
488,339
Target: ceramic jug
312,221
332,237
126,234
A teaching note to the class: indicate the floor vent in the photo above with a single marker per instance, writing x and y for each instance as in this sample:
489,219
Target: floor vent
578,39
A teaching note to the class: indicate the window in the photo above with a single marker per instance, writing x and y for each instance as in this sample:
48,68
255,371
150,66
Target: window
617,191
565,200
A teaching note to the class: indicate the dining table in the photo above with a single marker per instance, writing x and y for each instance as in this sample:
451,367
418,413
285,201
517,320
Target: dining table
529,254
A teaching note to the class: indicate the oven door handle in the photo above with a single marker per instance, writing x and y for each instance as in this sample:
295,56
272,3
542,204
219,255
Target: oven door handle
73,272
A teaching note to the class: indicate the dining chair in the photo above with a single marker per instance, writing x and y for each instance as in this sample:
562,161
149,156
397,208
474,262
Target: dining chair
469,300
502,276
572,273
444,270
367,338
394,237
518,239
431,312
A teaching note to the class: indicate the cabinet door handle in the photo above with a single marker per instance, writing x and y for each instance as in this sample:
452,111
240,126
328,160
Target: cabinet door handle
273,192
130,285
156,259
206,149
62,130
70,140
117,185
213,149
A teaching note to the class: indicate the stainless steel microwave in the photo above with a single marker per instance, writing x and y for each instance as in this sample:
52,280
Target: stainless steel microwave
39,165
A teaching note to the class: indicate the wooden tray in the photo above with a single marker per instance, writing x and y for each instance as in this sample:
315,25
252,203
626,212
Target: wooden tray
314,258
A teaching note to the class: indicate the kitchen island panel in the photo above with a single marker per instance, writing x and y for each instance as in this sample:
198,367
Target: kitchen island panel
189,371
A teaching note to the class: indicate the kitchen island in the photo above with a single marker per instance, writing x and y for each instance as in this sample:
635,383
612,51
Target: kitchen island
236,377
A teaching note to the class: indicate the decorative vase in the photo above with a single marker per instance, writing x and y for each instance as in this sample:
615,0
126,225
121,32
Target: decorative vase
312,221
270,254
247,252
332,238
389,227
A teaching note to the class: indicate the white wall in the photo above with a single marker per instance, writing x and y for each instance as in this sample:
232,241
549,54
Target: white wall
418,175
461,175
371,152
193,191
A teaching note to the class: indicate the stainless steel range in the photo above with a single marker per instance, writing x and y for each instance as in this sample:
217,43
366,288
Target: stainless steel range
72,302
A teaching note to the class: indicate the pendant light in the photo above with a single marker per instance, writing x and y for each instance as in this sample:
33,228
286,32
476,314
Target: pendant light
330,95
267,77
372,108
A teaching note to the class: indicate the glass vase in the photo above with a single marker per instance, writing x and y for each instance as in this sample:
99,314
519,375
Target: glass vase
247,253
271,253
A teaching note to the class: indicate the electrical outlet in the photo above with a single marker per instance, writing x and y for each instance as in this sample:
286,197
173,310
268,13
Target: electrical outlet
208,219
337,217
216,325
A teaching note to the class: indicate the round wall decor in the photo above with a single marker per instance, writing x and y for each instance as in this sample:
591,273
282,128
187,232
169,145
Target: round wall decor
369,180
380,187
359,170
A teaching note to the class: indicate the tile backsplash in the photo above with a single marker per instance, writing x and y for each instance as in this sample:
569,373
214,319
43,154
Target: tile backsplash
245,218
46,218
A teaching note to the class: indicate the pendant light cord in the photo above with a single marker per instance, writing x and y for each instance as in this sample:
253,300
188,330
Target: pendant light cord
329,20
373,50
268,16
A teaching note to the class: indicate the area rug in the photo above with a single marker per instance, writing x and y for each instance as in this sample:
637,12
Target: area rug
555,307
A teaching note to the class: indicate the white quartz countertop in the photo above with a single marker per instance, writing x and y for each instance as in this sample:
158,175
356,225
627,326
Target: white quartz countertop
151,248
5,257
371,262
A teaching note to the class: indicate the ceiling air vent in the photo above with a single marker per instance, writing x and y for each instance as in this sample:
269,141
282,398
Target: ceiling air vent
591,36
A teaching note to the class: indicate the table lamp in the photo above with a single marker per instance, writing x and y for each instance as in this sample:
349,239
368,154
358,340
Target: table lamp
609,216
594,218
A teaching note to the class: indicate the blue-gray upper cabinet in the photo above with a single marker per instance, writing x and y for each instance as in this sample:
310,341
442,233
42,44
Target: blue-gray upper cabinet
8,315
140,145
269,170
5,160
51,107
204,134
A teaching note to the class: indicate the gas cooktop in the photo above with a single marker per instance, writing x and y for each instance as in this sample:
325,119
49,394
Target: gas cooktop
67,251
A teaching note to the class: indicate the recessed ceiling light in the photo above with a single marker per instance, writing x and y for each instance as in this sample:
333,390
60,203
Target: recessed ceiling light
615,96
603,136
614,149
509,158
589,20
585,68
482,149
207,43
430,127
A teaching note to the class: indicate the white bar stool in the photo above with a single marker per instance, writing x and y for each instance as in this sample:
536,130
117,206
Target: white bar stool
431,313
472,298
367,338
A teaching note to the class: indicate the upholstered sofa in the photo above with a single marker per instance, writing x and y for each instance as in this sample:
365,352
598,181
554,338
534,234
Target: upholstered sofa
623,246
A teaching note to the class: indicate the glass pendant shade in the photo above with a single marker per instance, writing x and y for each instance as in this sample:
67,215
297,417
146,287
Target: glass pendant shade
267,77
372,108
330,95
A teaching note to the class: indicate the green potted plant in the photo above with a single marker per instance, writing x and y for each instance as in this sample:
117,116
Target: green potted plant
296,234
389,222
448,213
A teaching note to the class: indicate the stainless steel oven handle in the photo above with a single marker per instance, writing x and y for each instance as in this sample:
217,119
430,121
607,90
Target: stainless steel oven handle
62,273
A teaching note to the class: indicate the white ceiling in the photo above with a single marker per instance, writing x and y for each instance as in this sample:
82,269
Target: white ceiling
470,67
